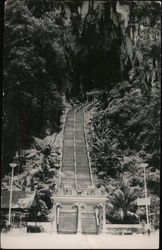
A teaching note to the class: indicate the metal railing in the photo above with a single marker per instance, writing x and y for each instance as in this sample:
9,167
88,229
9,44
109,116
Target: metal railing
74,136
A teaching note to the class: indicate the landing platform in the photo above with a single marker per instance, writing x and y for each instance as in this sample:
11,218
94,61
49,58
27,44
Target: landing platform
64,241
75,199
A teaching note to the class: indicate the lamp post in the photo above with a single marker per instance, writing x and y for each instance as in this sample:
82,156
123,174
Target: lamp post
144,165
12,165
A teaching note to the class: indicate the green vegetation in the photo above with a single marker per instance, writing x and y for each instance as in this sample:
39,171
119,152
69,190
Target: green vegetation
126,125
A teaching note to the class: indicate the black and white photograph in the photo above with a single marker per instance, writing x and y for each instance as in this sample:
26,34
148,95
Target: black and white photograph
81,124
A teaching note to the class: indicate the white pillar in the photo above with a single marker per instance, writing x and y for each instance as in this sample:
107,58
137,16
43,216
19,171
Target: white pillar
10,204
146,196
144,165
54,222
104,218
79,229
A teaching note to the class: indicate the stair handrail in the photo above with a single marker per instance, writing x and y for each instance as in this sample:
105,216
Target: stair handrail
58,206
62,143
74,136
97,219
74,144
57,216
91,104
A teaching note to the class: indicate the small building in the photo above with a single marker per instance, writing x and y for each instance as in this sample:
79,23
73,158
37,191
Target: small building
23,203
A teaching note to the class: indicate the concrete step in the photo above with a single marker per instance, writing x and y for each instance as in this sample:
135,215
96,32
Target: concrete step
79,136
68,156
78,129
83,171
68,168
69,124
82,158
89,225
68,142
84,180
81,155
69,165
71,119
67,162
83,176
68,148
68,151
63,184
79,124
68,131
89,208
82,165
67,210
67,222
68,136
82,162
67,179
68,173
80,144
84,184
81,150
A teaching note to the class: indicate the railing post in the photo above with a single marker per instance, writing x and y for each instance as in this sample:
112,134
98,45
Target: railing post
79,207
87,148
74,138
103,216
61,162
79,229
54,222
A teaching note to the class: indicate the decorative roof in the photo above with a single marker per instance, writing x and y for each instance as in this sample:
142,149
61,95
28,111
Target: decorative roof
20,199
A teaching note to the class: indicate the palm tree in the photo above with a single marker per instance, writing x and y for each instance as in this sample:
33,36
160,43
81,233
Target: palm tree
122,203
41,164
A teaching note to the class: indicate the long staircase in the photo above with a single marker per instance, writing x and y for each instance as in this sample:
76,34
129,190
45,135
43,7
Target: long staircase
75,164
68,163
76,174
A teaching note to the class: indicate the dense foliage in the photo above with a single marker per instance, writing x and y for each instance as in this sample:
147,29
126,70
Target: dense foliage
126,125
34,68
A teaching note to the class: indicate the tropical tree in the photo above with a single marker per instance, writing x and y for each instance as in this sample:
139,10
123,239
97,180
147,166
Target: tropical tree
122,205
34,67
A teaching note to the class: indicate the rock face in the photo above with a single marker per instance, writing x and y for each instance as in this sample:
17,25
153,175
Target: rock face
128,105
137,30
108,40
124,11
